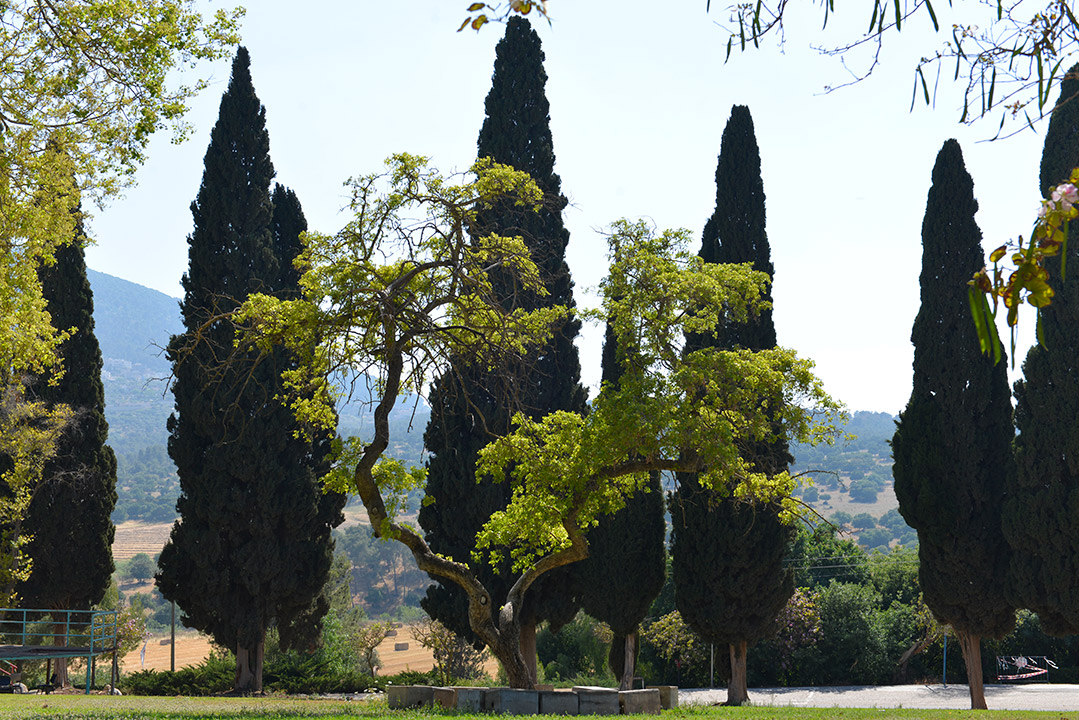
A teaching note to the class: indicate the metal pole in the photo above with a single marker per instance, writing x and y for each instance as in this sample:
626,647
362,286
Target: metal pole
172,642
712,665
945,679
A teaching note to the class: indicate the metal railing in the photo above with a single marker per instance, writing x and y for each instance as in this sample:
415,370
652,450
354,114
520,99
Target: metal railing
74,628
76,633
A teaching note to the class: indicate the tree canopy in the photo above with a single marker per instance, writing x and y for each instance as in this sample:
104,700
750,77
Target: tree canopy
83,85
68,521
1043,575
952,445
404,286
728,554
252,548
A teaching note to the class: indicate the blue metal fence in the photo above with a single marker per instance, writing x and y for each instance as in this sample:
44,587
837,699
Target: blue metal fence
37,634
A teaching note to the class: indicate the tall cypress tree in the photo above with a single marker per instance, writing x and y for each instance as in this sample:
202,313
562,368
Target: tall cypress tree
1040,518
252,546
728,554
626,565
68,520
952,445
470,405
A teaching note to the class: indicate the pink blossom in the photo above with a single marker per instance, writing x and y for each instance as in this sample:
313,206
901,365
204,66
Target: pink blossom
1066,194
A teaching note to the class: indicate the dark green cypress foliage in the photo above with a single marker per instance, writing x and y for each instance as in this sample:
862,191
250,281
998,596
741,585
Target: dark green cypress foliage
727,555
252,546
1041,519
68,518
310,549
952,445
1060,153
627,562
469,405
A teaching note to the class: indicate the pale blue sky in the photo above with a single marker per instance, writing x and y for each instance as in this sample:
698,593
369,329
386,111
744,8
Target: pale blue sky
639,97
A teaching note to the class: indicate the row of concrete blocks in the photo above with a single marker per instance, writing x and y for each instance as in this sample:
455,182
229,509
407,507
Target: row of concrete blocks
581,700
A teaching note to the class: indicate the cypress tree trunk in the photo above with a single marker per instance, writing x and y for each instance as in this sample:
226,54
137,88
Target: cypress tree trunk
737,692
60,663
629,664
971,646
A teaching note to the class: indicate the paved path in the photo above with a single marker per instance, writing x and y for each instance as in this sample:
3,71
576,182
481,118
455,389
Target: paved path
997,697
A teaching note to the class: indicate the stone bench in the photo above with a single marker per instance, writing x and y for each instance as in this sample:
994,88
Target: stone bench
581,700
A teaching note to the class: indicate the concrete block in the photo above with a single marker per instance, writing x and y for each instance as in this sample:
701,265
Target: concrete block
668,696
558,702
639,702
511,702
597,700
470,699
444,697
409,696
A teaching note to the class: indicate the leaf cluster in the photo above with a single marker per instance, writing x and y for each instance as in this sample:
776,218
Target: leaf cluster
695,411
1008,55
403,287
83,85
1028,281
29,433
479,14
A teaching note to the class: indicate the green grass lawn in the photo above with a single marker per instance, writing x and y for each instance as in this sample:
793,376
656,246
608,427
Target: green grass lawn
100,707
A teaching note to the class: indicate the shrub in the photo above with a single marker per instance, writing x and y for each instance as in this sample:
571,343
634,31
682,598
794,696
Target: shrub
852,646
863,521
212,676
875,538
863,491
578,649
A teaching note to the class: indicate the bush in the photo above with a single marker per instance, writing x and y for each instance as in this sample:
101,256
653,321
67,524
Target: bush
672,654
787,656
863,491
853,637
289,672
863,521
578,649
875,538
212,676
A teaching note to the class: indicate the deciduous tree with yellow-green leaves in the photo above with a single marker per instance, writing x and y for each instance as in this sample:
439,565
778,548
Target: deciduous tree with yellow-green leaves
404,286
83,86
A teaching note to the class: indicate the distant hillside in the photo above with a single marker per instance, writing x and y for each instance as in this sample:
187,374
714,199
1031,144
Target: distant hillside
133,323
852,482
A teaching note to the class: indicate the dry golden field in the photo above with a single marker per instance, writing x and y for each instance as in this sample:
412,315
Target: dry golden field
191,649
133,538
